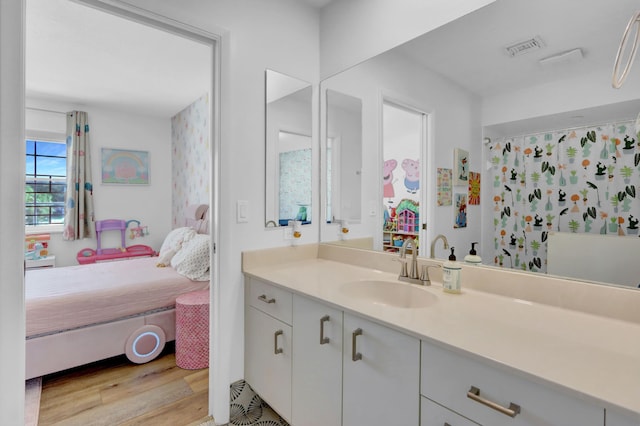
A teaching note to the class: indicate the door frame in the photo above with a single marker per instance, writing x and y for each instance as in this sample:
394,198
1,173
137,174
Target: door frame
427,171
219,398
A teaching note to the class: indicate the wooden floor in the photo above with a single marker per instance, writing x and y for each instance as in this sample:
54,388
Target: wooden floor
117,392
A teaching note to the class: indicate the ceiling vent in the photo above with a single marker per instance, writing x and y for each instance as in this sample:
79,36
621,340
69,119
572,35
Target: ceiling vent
525,46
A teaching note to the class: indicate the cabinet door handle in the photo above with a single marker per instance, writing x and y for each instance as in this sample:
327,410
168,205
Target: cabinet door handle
263,297
446,424
512,411
323,339
355,355
276,349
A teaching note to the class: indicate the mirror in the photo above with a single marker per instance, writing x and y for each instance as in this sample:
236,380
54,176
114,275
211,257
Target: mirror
486,76
288,150
343,155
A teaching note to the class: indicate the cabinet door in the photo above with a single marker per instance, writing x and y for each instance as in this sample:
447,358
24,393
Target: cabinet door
268,359
381,375
317,364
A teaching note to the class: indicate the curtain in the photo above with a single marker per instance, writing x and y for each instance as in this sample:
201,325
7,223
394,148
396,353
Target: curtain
78,215
576,180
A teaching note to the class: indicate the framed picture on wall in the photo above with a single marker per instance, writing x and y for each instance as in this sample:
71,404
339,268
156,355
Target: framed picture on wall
460,167
125,167
460,211
444,187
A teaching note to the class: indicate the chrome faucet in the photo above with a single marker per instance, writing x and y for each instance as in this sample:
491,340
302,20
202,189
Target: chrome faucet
412,275
433,245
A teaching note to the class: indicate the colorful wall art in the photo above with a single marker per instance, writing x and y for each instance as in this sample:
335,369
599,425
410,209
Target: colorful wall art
474,188
460,211
444,187
460,167
123,166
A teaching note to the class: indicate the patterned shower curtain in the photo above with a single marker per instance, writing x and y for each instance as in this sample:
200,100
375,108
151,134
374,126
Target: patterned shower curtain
78,215
577,180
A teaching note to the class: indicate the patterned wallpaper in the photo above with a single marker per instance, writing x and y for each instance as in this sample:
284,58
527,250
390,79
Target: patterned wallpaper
576,180
190,157
295,181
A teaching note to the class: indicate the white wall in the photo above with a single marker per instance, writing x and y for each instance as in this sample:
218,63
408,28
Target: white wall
150,204
355,30
12,325
455,123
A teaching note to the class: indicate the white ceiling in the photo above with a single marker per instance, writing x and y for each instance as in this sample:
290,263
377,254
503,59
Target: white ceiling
79,55
470,50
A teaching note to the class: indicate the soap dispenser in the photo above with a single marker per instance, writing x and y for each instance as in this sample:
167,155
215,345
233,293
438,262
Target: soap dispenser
473,257
451,274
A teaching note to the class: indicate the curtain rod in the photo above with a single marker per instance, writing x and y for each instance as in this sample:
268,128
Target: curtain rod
46,110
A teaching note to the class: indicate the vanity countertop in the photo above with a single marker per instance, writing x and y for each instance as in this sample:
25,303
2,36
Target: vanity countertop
594,356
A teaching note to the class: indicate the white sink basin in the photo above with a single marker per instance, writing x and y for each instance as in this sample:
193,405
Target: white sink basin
389,293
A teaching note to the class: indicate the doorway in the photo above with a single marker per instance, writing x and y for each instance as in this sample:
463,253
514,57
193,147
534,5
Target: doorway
212,42
404,154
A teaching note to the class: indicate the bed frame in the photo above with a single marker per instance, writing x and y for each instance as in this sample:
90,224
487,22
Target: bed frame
60,351
141,337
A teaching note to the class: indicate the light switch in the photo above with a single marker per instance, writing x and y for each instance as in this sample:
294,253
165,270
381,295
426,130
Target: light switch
242,211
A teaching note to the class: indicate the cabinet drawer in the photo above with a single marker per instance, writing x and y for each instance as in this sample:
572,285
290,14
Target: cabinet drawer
271,300
447,378
432,414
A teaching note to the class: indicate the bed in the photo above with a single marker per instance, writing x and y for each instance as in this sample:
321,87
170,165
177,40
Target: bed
80,314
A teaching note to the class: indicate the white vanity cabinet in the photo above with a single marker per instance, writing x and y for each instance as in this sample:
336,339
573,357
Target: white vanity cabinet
317,364
381,380
268,344
491,396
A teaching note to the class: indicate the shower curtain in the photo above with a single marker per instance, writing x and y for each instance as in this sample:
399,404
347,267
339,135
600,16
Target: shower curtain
78,215
576,180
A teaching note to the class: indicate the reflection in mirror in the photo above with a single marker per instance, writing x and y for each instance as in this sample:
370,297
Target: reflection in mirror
288,150
344,158
294,185
402,176
483,92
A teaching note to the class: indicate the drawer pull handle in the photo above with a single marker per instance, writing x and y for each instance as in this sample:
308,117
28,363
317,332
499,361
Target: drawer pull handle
276,349
263,297
323,339
512,411
355,355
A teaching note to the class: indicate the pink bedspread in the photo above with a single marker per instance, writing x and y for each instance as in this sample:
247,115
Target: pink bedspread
69,297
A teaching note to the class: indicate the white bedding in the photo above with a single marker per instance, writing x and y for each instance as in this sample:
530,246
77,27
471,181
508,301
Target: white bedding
74,296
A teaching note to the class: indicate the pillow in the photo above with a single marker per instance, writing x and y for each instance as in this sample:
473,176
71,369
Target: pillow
192,260
172,243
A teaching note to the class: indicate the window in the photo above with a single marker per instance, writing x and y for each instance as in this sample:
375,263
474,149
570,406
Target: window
45,182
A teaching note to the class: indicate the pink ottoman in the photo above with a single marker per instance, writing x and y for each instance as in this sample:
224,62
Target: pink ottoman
192,330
